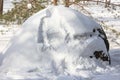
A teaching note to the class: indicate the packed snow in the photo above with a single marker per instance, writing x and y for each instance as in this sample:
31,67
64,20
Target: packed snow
57,57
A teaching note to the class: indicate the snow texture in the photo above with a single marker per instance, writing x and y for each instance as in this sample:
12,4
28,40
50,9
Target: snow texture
56,44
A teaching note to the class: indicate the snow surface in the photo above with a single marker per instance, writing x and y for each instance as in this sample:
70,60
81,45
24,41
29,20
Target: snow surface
7,5
6,33
82,72
46,49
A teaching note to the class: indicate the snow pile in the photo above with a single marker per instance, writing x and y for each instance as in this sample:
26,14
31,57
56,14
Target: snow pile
6,32
55,44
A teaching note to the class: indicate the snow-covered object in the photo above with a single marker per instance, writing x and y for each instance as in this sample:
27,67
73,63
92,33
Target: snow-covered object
56,40
29,5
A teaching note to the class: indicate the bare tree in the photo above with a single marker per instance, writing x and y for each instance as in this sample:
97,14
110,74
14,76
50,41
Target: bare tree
1,7
106,3
97,2
55,2
66,3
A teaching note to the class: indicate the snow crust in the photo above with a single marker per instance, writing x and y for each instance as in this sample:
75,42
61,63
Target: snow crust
45,49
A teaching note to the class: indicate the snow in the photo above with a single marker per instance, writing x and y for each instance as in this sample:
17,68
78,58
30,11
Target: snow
6,32
56,62
41,45
115,1
8,5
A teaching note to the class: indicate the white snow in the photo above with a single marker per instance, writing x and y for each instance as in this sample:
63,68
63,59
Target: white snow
40,45
8,5
23,58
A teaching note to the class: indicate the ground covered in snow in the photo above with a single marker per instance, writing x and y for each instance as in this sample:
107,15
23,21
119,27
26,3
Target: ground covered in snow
88,70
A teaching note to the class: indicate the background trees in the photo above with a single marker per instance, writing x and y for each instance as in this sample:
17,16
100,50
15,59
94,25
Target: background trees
25,8
1,7
21,12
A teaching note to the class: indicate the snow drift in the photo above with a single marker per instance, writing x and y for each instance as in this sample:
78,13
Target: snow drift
54,41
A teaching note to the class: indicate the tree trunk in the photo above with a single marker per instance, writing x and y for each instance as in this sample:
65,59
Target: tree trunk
55,2
1,7
66,3
105,3
109,2
97,2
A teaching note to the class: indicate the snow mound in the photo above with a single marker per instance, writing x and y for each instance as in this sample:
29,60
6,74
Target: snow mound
54,41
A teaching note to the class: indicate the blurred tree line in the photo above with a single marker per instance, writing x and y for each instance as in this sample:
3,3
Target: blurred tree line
21,11
25,8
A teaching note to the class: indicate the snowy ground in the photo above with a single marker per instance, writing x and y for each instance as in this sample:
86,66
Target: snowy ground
109,18
6,32
7,5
